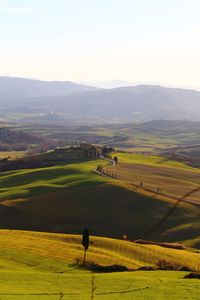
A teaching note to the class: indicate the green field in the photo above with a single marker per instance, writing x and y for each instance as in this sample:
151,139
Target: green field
69,197
43,266
32,182
161,285
155,136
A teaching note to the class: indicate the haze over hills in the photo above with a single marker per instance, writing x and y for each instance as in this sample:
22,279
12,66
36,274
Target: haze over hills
67,101
111,84
14,90
116,83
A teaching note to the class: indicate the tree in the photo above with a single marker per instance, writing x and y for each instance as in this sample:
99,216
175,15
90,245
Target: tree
106,150
115,159
85,242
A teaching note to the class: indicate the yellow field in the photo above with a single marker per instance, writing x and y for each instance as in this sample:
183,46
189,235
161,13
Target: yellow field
158,174
43,266
12,154
102,251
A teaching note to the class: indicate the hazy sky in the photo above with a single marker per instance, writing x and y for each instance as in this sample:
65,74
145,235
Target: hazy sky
98,40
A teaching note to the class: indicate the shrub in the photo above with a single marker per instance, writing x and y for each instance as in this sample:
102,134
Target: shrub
193,275
102,269
168,265
148,268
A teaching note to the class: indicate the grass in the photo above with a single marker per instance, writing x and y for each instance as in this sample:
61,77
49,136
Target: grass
42,266
58,157
69,197
32,182
172,178
67,248
137,285
153,160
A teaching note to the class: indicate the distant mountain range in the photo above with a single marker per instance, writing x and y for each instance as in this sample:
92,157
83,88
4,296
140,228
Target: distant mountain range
111,84
14,91
67,101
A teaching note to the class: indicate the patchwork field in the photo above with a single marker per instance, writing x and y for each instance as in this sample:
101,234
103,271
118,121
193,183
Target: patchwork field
151,136
44,266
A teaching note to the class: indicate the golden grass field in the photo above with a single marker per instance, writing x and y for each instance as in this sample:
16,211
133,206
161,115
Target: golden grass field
159,174
36,265
103,251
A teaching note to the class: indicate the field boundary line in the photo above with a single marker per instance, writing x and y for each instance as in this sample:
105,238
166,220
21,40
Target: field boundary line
123,292
170,212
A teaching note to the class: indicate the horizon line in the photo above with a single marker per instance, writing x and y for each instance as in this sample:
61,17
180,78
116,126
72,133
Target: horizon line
127,83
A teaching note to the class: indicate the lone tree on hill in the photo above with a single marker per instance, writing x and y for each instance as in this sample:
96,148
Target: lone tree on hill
85,242
115,159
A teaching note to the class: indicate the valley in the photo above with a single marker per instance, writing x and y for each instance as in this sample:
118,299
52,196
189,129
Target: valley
57,177
99,150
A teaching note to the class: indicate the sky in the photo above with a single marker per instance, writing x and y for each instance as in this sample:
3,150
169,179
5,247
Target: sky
155,41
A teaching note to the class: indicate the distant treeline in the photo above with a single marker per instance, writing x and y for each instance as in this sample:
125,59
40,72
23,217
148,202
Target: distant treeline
9,165
13,140
48,159
138,152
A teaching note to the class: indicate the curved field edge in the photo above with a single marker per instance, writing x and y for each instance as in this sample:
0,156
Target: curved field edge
37,265
69,197
35,182
24,247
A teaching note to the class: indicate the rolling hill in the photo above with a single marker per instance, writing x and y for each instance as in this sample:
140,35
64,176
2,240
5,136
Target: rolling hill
157,173
69,197
160,136
154,136
102,251
44,266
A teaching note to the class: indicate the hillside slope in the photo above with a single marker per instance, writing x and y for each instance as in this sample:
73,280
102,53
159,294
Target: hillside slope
159,174
67,248
44,266
70,197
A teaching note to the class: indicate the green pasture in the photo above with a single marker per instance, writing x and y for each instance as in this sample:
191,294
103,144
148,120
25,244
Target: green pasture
44,266
32,182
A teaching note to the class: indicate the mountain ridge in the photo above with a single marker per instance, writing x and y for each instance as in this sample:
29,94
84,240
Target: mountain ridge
123,104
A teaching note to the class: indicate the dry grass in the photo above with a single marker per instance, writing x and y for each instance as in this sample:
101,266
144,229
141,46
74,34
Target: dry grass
102,251
158,174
